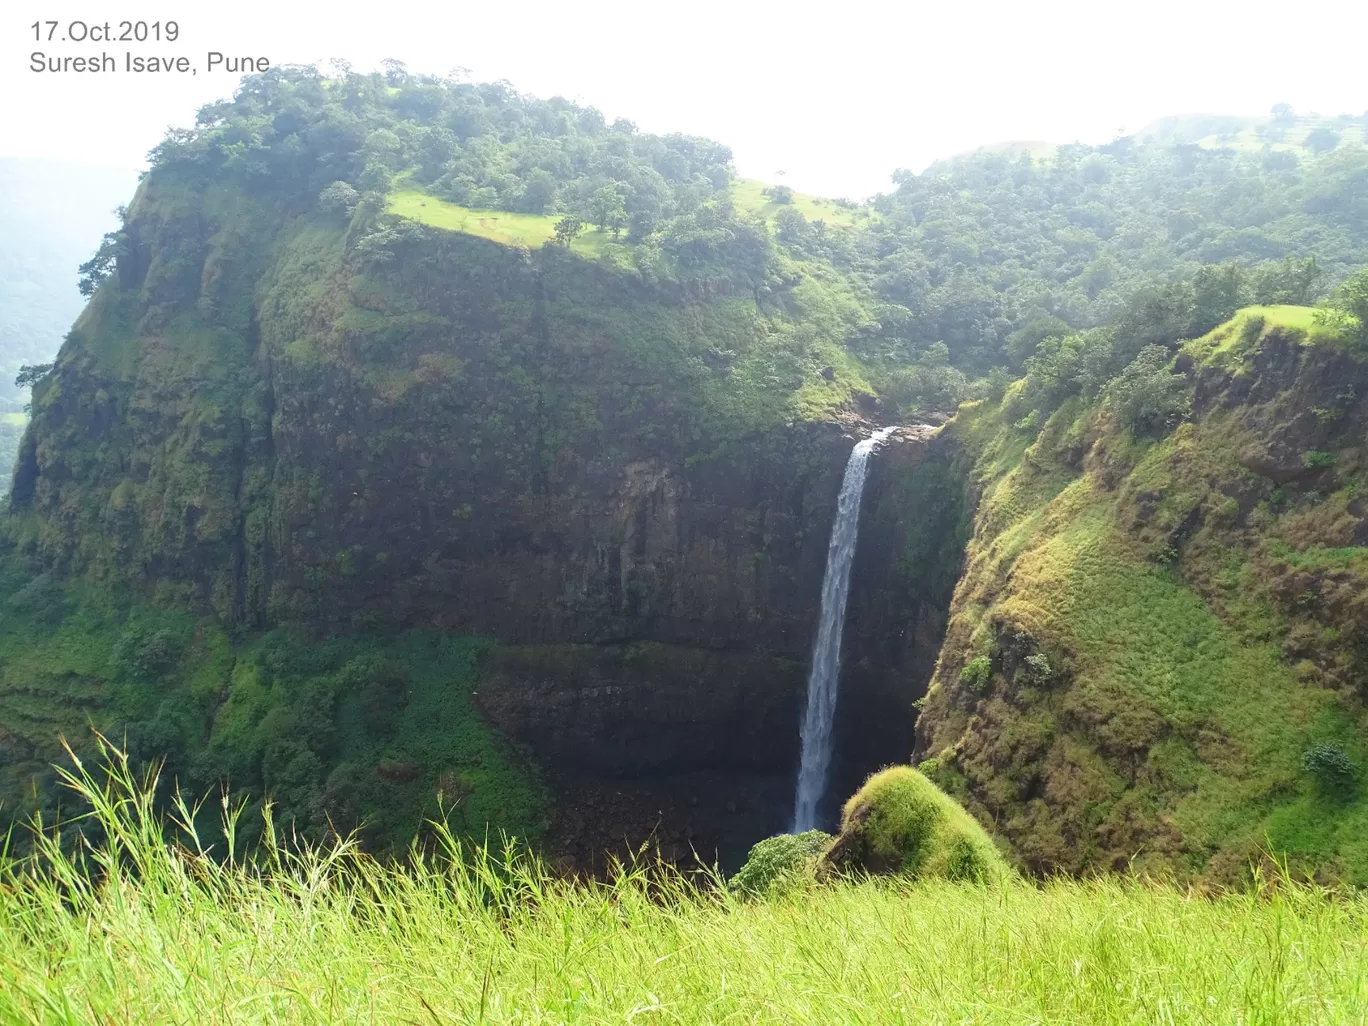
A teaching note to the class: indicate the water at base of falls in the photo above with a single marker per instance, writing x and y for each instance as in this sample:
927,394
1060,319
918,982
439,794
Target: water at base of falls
823,678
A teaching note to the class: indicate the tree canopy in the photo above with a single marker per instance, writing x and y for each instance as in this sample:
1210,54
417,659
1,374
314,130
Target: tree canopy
987,255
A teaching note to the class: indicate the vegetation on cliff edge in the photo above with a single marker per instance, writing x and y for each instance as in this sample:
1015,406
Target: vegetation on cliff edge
369,732
1161,614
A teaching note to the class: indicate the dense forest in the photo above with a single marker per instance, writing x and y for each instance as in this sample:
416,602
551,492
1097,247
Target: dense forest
986,253
985,244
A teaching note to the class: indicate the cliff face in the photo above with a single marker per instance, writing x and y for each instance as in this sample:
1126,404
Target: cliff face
335,428
687,729
419,427
1156,655
288,468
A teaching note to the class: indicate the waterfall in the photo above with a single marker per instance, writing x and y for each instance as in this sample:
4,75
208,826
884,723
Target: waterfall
824,677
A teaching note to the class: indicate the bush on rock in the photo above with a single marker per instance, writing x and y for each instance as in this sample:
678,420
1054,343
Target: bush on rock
900,823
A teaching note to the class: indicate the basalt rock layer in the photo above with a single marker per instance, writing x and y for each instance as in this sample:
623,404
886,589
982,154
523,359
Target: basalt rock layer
278,421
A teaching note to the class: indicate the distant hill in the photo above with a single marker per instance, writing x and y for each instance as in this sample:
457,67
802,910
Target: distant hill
52,215
1291,133
51,220
1301,134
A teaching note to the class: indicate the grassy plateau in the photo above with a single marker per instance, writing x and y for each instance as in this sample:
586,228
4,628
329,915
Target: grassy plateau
749,195
504,226
531,230
136,928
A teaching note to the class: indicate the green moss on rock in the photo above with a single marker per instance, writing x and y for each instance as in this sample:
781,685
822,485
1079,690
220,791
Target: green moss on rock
901,823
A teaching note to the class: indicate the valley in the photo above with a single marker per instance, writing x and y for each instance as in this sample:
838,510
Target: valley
468,558
364,483
463,556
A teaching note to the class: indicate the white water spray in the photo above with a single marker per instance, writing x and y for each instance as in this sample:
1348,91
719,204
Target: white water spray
824,677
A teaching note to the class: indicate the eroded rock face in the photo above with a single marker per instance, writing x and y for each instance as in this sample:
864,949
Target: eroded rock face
687,731
722,553
913,527
689,748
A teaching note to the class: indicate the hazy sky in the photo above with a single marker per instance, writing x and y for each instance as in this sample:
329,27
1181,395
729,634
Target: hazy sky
837,94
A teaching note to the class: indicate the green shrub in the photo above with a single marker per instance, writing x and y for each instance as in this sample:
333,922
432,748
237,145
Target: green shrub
1037,668
778,859
1316,458
994,386
145,653
1332,770
939,771
43,599
1350,301
1147,397
900,823
975,674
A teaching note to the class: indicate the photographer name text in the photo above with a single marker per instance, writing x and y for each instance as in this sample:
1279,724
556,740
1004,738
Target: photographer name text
106,63
58,35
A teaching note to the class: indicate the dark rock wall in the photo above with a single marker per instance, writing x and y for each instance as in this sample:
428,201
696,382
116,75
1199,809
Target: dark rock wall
449,433
914,523
692,740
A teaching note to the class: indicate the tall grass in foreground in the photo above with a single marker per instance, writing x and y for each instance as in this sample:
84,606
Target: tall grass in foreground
136,929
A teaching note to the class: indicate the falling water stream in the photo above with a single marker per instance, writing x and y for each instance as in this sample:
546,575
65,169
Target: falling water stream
824,677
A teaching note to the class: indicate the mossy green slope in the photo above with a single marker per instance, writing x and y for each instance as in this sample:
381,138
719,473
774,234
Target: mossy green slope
1150,633
376,731
901,823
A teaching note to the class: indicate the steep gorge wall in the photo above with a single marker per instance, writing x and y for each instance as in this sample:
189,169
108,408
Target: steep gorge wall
693,739
281,424
1151,632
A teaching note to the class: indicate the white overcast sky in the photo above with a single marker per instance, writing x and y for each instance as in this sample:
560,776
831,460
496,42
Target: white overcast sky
836,94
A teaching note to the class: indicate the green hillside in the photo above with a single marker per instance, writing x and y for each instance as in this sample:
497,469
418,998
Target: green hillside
502,226
528,230
1154,637
754,196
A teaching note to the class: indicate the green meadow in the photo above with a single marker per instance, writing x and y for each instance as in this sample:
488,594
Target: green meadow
503,226
143,927
749,194
532,230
